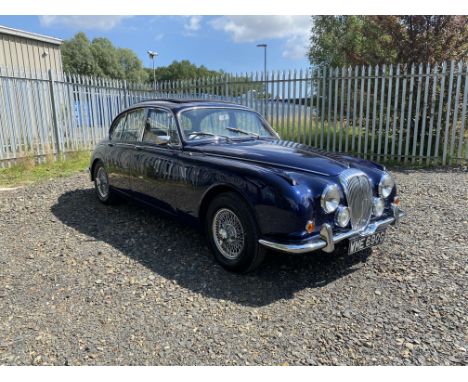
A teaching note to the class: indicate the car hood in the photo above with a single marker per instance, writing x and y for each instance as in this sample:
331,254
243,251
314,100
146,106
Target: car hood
283,154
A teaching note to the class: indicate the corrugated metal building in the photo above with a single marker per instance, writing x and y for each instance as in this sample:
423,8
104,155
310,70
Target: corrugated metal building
29,54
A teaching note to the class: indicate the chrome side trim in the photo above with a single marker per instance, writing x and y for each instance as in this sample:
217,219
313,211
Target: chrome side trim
326,240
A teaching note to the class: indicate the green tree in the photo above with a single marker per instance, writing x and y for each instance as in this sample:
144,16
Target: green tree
131,66
78,58
216,80
107,58
426,38
180,70
371,40
101,58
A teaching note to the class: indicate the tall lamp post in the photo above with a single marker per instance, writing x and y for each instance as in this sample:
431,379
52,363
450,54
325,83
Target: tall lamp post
264,46
152,55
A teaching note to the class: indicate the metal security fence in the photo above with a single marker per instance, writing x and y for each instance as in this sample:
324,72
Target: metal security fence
396,113
43,114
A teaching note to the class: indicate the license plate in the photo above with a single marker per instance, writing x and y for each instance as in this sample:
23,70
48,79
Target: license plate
359,243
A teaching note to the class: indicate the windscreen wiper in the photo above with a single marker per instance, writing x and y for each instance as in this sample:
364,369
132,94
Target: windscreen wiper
243,132
198,133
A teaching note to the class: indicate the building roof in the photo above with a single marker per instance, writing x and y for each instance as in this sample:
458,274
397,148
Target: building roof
30,35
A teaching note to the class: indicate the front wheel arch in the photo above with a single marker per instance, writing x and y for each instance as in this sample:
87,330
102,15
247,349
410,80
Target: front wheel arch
252,252
212,194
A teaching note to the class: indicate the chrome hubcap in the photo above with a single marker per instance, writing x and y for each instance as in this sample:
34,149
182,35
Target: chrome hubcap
228,233
102,183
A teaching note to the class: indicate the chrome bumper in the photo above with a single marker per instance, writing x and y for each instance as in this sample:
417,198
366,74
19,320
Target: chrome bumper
326,241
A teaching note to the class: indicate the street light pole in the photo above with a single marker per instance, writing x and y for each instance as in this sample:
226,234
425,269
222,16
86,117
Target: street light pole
264,46
152,54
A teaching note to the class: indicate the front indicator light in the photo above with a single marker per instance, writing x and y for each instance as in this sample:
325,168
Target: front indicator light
396,201
378,207
342,216
310,226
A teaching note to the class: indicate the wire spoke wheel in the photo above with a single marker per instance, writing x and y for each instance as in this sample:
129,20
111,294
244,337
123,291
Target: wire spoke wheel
228,233
102,183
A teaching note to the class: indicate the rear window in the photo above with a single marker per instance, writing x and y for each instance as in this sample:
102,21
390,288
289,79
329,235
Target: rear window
116,132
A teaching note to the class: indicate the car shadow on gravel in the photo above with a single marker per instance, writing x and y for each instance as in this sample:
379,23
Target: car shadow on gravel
180,253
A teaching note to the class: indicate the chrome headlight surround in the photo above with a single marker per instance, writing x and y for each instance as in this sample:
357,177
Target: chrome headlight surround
330,199
342,216
386,185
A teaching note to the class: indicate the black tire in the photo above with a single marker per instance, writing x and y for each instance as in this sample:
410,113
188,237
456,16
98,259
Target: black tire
252,253
108,197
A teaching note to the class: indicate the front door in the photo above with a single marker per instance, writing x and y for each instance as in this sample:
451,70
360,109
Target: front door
155,172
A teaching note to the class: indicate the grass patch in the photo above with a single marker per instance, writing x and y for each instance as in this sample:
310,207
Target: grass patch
27,171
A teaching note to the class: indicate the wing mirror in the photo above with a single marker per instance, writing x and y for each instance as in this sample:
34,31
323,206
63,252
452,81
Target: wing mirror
162,139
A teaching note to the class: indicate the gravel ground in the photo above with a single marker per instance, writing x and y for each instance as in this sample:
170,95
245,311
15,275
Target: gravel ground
83,283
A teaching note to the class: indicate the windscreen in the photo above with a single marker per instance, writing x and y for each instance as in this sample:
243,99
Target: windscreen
202,123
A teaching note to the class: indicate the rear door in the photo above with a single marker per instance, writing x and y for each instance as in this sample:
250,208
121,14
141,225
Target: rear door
112,160
123,149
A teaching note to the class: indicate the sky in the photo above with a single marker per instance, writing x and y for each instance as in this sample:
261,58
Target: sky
217,42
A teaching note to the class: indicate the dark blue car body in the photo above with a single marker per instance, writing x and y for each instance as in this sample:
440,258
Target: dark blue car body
282,182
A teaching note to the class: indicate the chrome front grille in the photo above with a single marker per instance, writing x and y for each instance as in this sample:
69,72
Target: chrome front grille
358,191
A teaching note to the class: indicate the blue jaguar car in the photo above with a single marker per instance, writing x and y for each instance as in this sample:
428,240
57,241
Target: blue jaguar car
221,167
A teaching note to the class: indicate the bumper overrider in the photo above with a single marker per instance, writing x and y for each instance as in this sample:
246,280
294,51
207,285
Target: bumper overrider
326,241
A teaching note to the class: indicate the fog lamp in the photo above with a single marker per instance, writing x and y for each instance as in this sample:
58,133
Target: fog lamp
378,207
342,216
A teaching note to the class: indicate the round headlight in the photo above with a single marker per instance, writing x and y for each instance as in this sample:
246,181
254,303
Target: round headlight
330,198
342,216
378,207
386,186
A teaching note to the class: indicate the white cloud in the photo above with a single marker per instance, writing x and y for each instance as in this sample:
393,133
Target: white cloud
193,24
295,29
159,36
82,22
296,47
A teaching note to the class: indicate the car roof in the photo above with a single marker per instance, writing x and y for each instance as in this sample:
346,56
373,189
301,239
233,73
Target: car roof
177,105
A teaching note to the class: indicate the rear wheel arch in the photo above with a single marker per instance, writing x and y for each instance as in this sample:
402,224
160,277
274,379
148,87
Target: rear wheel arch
93,167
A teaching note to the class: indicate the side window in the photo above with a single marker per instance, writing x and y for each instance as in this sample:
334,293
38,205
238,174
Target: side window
160,128
116,132
133,126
